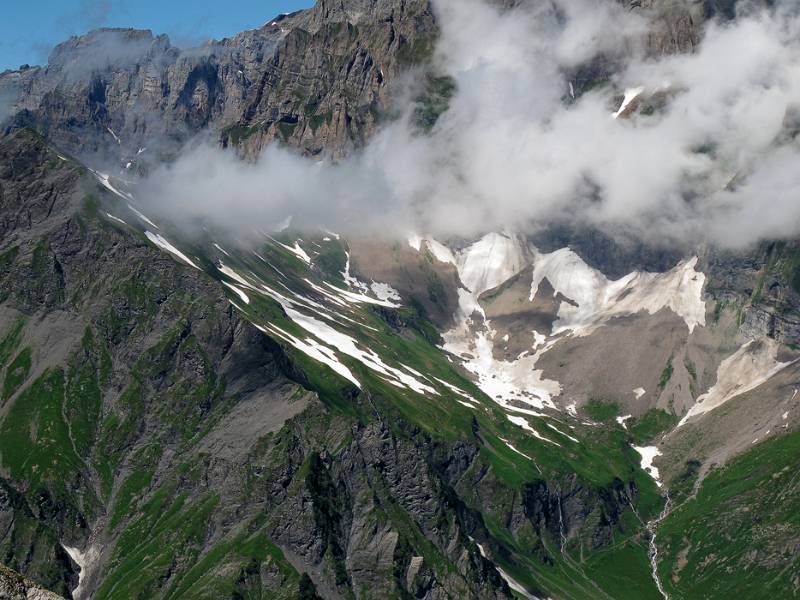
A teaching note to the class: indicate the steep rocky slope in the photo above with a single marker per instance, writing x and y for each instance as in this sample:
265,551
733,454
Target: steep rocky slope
142,417
316,80
155,443
307,416
14,586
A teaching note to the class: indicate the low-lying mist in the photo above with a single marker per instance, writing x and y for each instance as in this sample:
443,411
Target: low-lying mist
709,156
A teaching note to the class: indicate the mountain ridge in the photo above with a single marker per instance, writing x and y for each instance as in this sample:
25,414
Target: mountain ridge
297,414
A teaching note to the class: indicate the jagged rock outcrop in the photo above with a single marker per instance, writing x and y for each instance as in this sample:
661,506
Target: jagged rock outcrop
316,80
762,286
14,586
677,27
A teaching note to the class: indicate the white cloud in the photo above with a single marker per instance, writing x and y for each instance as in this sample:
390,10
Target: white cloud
510,152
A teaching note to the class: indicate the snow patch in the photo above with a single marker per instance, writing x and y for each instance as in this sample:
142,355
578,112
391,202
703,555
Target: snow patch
539,339
557,430
314,350
221,249
515,585
490,261
349,346
384,292
413,371
238,292
85,559
484,265
507,443
440,252
114,135
599,299
226,270
296,250
300,253
527,427
621,421
141,215
456,390
351,280
269,264
750,366
504,381
323,311
360,298
329,295
117,219
163,243
237,307
648,454
103,178
593,300
630,95
512,583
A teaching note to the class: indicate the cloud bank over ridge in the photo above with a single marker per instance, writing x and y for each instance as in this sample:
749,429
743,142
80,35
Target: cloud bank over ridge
711,158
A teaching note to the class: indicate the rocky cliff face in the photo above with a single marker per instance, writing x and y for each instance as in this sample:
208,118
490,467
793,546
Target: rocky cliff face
14,586
315,80
156,440
762,286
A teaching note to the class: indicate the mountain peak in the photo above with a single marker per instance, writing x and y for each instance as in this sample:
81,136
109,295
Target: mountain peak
106,47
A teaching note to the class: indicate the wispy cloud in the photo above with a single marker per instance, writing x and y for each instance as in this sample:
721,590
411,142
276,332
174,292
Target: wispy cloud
89,14
710,163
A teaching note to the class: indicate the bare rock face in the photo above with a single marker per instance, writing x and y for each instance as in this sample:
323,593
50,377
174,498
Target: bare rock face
762,286
14,586
678,26
315,80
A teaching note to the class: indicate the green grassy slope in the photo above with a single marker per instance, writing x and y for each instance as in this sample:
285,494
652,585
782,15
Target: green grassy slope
740,535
